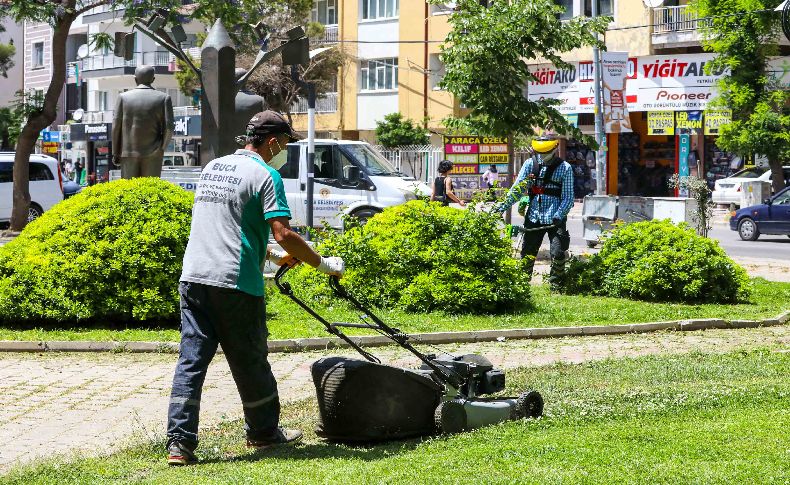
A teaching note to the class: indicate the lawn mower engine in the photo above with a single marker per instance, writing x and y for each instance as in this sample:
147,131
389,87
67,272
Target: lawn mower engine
364,401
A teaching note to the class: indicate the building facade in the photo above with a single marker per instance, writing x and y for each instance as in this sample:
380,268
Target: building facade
14,34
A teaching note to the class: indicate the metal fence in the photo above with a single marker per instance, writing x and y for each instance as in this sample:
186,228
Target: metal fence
675,19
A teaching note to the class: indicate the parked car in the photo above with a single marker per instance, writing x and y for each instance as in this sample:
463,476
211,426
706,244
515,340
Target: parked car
46,185
728,190
770,217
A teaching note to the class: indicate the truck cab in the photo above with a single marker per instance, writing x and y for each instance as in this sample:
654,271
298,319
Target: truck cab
350,178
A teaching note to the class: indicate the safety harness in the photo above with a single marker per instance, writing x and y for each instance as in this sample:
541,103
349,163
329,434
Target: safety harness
547,185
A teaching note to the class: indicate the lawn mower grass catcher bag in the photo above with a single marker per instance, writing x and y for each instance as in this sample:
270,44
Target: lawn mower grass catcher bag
364,401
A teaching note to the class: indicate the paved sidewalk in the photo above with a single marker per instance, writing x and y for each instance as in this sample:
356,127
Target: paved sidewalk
59,403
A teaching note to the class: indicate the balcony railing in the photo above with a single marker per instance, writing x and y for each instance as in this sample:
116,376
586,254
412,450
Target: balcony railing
331,34
95,63
675,19
186,111
325,104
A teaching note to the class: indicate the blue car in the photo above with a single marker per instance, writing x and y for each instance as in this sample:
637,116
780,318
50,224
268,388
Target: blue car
771,217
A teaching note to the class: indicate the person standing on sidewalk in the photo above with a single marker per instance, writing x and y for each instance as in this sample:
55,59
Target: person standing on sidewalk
547,180
443,185
238,202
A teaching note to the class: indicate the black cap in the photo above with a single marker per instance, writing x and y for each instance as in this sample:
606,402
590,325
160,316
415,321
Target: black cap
270,123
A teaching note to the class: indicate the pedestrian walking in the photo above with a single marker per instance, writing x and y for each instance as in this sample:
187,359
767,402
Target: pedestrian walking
547,180
443,185
79,166
239,200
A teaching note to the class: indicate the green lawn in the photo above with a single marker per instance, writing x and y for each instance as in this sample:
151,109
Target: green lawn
286,320
691,418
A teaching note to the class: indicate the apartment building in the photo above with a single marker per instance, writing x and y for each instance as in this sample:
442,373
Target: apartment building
14,34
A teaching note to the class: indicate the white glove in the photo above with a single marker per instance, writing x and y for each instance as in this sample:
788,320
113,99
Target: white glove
332,266
277,256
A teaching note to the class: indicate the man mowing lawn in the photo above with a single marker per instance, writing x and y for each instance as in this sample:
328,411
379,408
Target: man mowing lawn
239,199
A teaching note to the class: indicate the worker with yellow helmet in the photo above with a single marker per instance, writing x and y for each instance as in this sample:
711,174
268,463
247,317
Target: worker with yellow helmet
547,182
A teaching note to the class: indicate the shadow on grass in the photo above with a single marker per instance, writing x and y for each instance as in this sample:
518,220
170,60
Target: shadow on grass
326,449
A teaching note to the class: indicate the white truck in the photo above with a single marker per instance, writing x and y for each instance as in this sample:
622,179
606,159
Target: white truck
350,178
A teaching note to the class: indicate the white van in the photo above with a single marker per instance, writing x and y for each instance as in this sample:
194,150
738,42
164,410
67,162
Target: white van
351,178
46,185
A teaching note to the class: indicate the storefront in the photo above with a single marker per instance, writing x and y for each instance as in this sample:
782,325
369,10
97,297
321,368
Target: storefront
186,138
664,122
93,139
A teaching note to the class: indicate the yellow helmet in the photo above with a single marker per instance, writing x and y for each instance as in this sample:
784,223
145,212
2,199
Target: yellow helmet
545,144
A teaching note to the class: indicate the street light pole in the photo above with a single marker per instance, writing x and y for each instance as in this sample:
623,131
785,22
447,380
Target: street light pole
309,88
600,155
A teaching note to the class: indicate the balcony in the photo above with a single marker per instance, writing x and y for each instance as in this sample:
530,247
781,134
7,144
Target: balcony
331,35
324,104
676,27
95,63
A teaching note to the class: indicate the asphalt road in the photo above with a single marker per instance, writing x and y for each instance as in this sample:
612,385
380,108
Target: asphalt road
766,247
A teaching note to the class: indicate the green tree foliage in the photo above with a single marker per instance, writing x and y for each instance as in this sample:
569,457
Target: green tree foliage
111,252
7,52
744,34
486,58
395,130
421,256
659,261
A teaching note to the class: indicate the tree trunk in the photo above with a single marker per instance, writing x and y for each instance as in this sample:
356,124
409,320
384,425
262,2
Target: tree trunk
777,175
40,120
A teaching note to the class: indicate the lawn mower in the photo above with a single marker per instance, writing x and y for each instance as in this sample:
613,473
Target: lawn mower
367,401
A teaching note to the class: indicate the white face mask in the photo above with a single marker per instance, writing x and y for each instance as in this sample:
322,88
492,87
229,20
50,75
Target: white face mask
278,160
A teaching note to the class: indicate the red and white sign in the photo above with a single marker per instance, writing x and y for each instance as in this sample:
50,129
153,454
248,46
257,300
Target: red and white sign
614,77
654,83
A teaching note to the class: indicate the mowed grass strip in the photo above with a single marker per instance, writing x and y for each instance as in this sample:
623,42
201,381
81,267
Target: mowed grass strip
286,320
692,418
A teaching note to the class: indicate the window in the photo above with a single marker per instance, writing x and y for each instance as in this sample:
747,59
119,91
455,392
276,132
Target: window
290,169
102,100
379,74
437,71
568,6
783,199
6,172
604,7
39,172
38,54
380,9
325,12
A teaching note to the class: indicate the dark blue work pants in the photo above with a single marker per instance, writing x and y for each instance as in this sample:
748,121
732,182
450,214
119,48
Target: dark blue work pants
236,320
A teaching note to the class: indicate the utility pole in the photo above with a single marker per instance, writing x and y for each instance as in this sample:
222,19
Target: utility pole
600,155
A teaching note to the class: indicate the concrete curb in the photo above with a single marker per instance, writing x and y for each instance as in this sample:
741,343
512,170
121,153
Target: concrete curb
326,343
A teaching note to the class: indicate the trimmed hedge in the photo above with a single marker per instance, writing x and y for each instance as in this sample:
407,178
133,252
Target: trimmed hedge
422,257
113,251
659,261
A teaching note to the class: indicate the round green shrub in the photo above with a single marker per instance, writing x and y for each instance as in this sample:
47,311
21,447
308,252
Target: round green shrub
659,261
420,257
113,251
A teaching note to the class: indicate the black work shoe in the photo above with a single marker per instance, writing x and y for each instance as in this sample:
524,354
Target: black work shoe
281,437
179,455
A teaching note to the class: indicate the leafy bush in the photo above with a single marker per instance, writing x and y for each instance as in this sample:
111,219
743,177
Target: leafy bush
113,251
421,256
659,261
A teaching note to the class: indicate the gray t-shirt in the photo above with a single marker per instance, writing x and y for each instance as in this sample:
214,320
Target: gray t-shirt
235,197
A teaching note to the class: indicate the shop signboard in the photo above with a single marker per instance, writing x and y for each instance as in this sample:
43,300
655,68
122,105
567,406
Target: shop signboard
49,147
553,83
471,156
688,122
187,126
674,83
614,75
715,119
684,146
660,123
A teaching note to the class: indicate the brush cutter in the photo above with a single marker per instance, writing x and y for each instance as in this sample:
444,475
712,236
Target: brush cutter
365,400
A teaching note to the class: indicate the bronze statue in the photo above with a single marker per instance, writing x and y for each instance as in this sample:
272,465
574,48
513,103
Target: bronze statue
142,127
248,104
